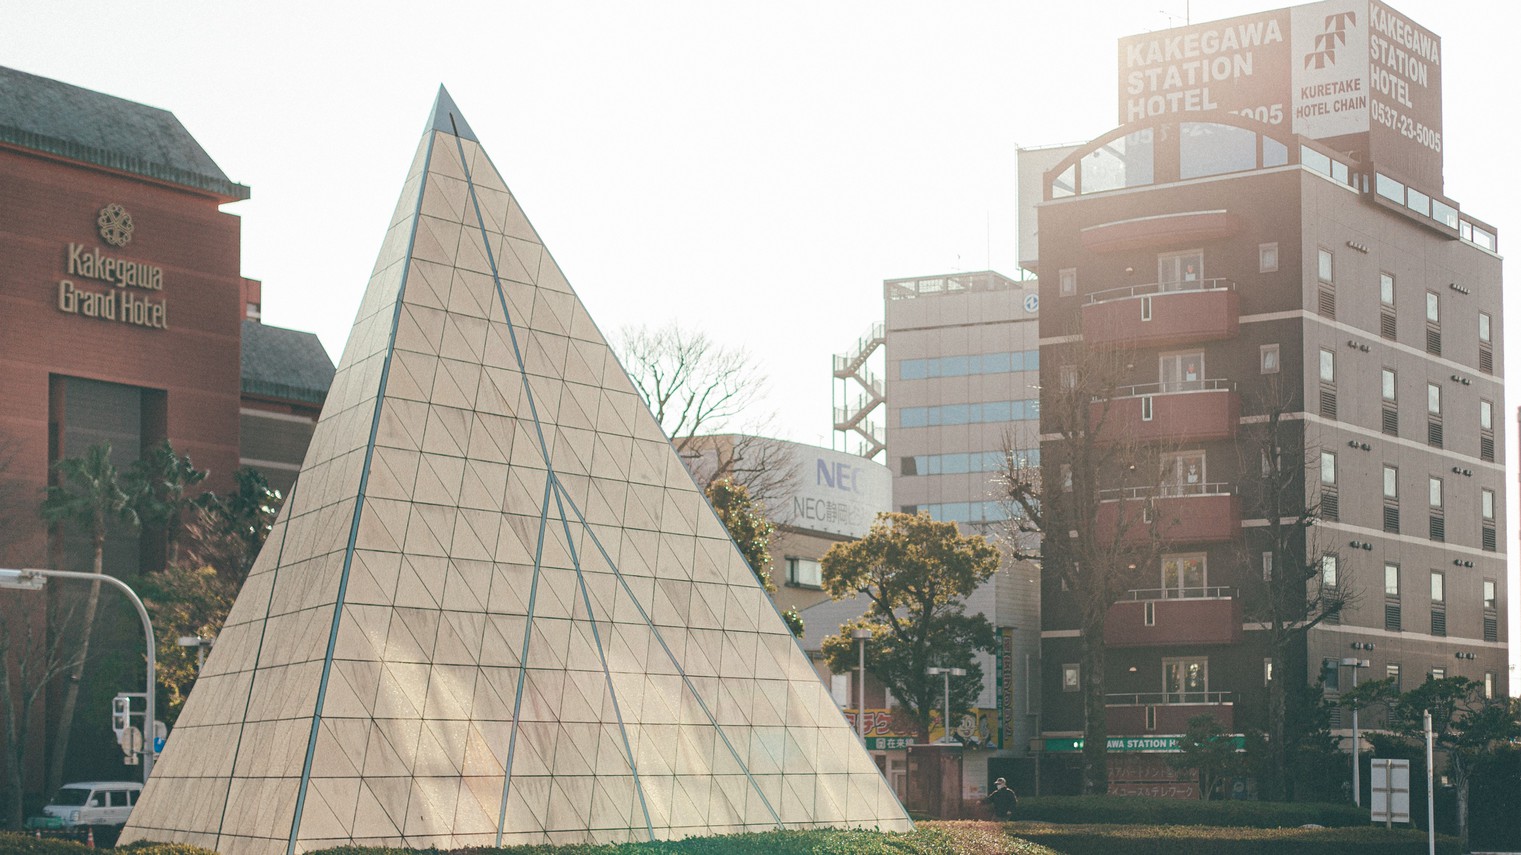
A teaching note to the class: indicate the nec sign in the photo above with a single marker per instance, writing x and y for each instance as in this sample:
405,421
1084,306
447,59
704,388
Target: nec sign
839,476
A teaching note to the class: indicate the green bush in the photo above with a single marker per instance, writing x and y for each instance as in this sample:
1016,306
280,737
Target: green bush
961,838
1214,840
1135,810
25,844
144,847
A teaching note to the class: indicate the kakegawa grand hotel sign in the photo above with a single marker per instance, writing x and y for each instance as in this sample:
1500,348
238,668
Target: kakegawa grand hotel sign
122,303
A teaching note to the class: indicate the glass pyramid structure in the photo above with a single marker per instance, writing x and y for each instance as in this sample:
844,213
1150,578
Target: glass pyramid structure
495,609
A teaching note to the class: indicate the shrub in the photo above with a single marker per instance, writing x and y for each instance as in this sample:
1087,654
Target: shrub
25,844
962,838
1135,810
1210,840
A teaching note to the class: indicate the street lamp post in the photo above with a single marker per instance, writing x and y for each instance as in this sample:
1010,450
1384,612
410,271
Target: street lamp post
860,634
36,580
948,673
1357,798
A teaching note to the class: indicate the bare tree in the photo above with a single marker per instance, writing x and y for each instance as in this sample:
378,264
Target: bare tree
30,662
1301,584
698,388
31,659
1094,505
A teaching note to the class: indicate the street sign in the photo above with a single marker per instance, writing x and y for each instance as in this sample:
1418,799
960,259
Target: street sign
131,742
1144,744
1390,786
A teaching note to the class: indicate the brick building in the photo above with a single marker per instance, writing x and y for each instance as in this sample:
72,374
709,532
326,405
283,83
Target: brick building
1289,286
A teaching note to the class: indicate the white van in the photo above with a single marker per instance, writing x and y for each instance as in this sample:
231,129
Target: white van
94,803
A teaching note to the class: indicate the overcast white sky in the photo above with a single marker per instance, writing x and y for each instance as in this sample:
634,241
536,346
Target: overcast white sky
755,169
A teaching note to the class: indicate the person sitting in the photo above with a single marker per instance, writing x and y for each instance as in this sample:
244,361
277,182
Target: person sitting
1002,801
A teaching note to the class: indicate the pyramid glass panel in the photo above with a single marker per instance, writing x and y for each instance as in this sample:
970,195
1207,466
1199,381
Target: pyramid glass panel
495,610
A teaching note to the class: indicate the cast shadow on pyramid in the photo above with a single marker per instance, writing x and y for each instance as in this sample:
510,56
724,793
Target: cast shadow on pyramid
495,608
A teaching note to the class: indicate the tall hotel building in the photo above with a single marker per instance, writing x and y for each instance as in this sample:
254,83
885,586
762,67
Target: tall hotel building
1273,247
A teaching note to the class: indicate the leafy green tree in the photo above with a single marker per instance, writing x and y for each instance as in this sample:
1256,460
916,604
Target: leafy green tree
1207,749
228,530
1465,725
915,573
161,482
184,601
747,523
89,494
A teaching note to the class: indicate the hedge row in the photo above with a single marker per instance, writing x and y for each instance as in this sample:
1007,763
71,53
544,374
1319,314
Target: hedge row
12,843
1135,810
961,838
968,838
1214,840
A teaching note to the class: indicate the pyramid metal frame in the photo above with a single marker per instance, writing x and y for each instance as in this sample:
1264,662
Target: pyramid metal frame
496,609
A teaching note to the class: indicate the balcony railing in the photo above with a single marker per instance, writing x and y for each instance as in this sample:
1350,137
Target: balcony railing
1152,288
1209,488
1207,512
1174,410
1155,617
1171,387
1142,594
1160,699
1162,314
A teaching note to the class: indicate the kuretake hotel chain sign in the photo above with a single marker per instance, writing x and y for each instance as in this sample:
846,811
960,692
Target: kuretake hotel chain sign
1323,70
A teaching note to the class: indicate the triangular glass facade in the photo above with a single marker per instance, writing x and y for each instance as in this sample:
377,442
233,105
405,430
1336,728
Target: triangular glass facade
495,609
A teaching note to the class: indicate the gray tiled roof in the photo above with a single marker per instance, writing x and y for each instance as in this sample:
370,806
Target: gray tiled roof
55,117
282,363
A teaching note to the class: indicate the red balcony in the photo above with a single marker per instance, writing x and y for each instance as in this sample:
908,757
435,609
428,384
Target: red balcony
1174,616
1183,411
1191,513
1163,712
1162,314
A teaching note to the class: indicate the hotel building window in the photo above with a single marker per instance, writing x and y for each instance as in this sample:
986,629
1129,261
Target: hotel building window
1184,575
1067,281
1486,344
1330,500
1433,324
1267,258
1392,616
1328,383
1389,389
1185,680
1486,430
1391,499
1326,293
1438,603
1387,327
1267,356
1177,270
1438,529
1487,537
1433,415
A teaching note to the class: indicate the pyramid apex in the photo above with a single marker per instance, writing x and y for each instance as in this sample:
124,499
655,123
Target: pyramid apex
447,117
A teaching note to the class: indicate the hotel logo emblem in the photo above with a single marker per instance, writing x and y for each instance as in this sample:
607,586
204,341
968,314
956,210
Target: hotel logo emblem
1333,37
115,225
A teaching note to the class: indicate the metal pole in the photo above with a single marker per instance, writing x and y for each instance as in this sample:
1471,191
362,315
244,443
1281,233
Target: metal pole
947,705
149,752
861,693
1357,772
1430,792
1389,793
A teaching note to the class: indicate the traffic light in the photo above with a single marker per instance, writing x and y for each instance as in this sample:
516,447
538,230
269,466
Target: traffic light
121,714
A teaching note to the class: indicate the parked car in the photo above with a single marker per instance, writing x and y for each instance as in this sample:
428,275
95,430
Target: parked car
91,803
